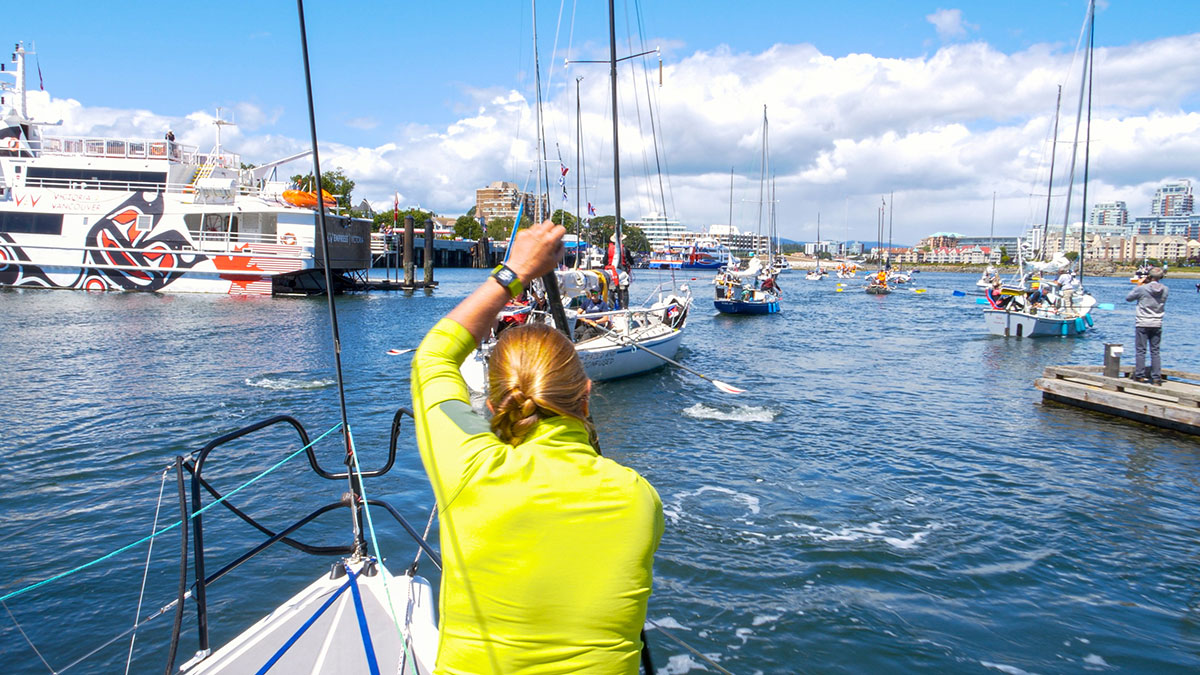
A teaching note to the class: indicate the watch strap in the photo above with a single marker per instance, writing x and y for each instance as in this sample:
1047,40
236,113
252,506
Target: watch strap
507,278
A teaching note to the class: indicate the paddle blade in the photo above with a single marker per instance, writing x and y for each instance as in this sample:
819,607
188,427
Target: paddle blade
981,301
959,294
727,388
919,290
398,352
1105,305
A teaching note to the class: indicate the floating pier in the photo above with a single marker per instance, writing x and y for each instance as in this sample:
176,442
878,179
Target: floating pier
1174,404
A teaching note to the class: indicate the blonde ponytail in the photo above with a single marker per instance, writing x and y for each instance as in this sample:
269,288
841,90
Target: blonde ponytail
534,373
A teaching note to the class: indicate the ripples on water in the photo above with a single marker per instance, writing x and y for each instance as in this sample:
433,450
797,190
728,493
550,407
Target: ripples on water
890,496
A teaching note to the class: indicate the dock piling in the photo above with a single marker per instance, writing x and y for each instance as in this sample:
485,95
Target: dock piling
428,252
408,251
1112,359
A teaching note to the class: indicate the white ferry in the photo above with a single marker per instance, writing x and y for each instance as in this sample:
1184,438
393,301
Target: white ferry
154,215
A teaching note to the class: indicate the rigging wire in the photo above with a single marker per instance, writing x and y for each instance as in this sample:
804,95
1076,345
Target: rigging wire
145,573
333,322
24,635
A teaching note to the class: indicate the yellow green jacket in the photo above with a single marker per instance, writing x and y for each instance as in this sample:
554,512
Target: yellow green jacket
547,547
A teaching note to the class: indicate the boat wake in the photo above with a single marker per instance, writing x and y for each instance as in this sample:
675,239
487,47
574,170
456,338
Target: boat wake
288,383
741,413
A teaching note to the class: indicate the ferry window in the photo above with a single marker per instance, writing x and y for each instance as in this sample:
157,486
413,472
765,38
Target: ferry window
31,223
214,222
145,223
192,220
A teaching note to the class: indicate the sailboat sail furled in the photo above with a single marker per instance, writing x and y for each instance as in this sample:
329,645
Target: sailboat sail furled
754,290
592,306
1047,297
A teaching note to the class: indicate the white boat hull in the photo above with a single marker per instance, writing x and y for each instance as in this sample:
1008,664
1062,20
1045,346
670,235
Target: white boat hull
606,359
1020,324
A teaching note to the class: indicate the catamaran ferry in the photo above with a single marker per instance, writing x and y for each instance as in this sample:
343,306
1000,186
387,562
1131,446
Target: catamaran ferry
155,215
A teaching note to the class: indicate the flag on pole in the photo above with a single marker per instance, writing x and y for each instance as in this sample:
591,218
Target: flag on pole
41,83
396,211
562,179
591,211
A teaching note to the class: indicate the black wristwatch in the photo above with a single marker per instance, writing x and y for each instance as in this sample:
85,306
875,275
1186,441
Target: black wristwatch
508,279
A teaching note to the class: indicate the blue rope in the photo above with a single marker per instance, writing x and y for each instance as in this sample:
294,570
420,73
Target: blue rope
307,624
168,527
362,622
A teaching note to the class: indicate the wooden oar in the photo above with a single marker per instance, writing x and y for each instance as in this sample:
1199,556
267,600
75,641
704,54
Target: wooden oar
727,388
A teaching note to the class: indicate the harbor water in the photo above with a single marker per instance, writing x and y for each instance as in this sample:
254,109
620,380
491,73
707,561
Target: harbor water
891,495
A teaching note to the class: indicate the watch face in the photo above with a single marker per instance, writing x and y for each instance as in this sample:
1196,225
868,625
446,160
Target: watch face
505,276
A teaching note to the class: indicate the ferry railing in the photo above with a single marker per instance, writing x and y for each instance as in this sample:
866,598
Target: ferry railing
116,148
194,464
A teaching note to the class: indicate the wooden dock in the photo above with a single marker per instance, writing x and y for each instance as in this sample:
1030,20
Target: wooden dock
1175,404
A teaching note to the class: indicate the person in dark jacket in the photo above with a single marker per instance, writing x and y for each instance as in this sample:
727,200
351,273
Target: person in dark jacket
1151,298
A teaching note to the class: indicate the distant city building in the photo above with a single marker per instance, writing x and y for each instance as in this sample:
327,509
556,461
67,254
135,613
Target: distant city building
1166,226
1157,247
940,240
1173,199
1109,214
658,229
502,199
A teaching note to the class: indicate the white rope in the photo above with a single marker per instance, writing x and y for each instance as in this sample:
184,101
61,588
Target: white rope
145,573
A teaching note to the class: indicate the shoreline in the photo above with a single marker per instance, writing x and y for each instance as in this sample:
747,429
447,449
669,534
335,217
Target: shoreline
1116,271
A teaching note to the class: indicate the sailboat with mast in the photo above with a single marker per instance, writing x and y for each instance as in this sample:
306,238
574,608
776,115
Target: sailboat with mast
817,273
754,289
877,283
613,343
1034,302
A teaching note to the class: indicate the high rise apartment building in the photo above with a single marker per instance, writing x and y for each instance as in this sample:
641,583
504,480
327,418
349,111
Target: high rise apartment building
1173,199
1109,214
502,199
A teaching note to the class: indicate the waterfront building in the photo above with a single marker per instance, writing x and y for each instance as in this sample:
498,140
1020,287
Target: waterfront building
1109,214
1173,199
1157,247
1180,226
502,199
659,229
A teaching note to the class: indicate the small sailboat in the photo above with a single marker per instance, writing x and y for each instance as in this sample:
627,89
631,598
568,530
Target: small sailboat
612,343
877,283
755,289
817,273
1035,303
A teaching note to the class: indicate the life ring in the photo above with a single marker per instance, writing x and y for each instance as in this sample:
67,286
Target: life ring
12,143
288,239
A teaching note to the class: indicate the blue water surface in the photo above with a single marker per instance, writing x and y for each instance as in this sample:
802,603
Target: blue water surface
891,495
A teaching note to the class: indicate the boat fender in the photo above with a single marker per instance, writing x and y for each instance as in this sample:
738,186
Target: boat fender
1079,327
1088,319
1064,328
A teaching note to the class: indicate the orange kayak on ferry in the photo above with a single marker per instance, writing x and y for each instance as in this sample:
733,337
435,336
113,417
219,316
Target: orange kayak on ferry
308,199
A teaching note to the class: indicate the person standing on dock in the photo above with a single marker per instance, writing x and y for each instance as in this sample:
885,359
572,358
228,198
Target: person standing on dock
1151,298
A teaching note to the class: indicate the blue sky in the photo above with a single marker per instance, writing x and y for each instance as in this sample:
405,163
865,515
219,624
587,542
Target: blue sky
398,83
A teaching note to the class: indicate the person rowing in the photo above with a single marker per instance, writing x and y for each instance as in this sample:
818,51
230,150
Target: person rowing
547,546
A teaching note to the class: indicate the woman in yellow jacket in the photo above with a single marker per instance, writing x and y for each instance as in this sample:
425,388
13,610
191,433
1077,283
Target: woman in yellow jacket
547,547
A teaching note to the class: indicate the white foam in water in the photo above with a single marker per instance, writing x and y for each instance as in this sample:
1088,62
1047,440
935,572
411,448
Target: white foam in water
765,618
744,634
873,531
667,622
1011,670
1095,660
681,663
740,413
275,383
